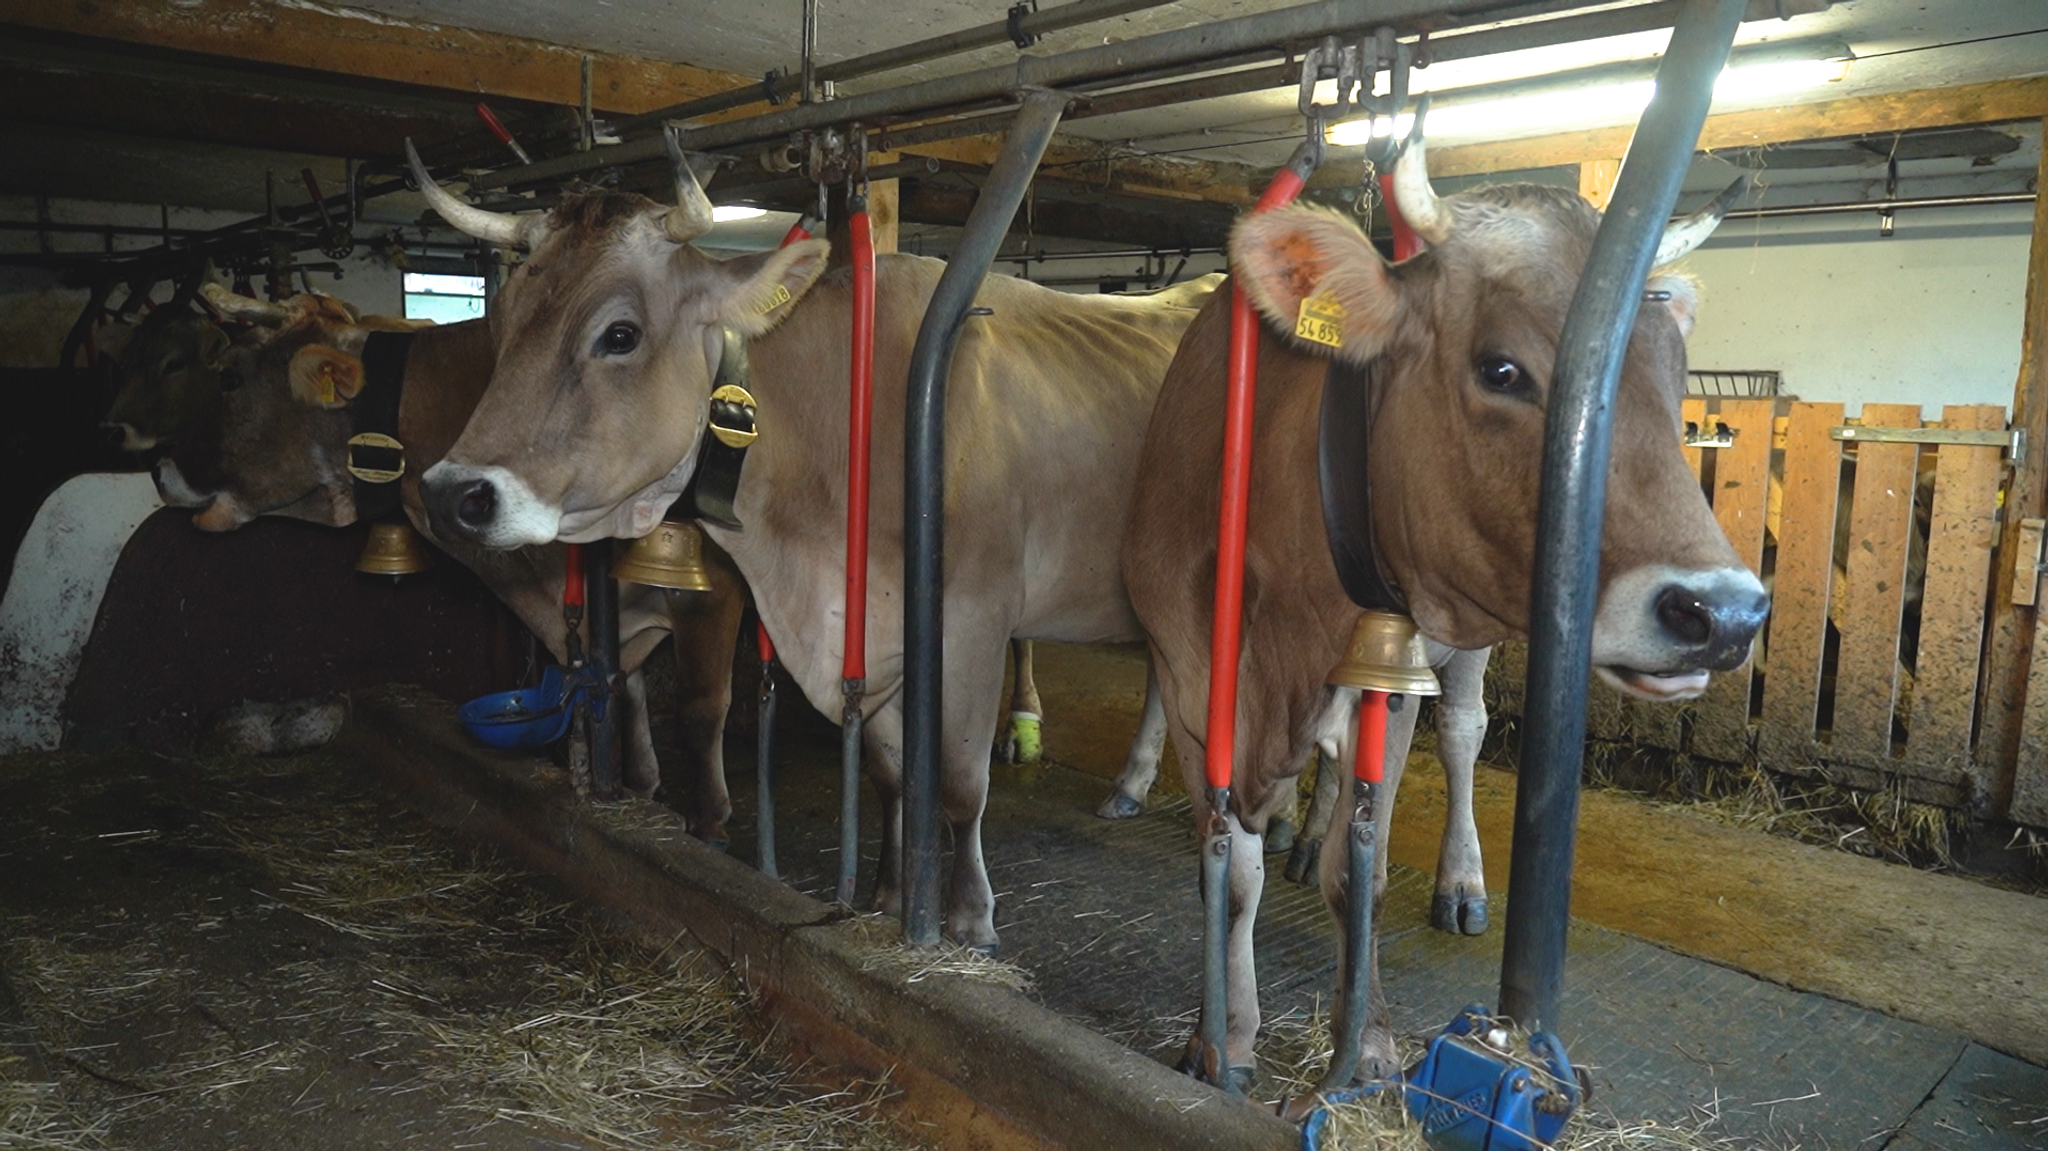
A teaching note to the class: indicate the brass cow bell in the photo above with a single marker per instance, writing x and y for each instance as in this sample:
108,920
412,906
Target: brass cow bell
394,549
671,556
1386,654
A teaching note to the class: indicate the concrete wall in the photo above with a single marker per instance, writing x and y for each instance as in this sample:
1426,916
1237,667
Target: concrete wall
1930,315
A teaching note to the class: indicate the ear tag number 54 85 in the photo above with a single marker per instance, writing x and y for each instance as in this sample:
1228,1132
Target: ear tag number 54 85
1320,321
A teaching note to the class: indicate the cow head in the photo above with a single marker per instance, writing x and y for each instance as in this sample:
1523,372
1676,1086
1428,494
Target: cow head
276,444
170,372
1463,339
607,337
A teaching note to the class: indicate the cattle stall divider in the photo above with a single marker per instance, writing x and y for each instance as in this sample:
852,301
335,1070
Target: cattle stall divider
1578,435
853,669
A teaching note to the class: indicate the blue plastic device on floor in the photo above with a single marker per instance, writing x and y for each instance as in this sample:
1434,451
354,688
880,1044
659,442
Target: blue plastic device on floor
533,716
1469,1095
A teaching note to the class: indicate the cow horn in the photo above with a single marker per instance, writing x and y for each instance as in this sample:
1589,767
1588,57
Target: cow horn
1414,197
239,307
1682,236
691,217
501,228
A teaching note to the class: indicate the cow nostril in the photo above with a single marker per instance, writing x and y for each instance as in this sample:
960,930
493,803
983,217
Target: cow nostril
1685,616
477,505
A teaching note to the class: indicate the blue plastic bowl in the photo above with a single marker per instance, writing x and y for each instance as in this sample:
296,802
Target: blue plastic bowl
529,717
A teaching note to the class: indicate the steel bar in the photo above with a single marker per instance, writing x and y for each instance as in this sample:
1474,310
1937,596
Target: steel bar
1577,440
1212,1061
603,597
924,501
764,760
1216,40
950,44
1884,205
853,667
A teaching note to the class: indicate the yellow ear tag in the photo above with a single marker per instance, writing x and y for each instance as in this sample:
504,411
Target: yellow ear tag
1321,320
776,299
326,384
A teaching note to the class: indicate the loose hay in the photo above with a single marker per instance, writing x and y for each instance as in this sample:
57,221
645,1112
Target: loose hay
882,950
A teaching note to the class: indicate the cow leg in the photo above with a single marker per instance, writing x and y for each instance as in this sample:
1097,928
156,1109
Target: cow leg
641,772
1141,766
1308,848
883,733
963,781
1247,883
1021,739
705,626
1460,903
1377,1058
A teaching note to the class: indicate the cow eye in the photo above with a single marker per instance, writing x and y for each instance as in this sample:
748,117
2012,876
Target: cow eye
619,339
1500,374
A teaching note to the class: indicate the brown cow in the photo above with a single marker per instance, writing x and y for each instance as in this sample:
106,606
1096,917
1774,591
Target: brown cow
1462,339
275,448
169,370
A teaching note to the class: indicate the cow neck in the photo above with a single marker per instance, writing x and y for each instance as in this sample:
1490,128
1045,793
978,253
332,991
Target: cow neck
376,456
1343,464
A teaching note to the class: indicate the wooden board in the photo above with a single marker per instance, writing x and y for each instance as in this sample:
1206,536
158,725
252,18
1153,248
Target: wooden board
1954,606
1741,493
1880,522
1799,615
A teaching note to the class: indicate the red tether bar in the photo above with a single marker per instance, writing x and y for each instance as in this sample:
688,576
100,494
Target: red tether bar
572,577
1369,765
1226,624
859,425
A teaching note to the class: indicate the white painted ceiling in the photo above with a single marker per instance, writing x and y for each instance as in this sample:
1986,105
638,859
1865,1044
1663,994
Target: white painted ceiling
1898,45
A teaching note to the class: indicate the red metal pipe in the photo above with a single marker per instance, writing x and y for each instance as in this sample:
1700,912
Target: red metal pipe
572,577
1369,765
1226,624
801,230
859,424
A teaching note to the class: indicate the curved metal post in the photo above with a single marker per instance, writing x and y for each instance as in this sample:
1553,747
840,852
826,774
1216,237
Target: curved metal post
924,500
1575,453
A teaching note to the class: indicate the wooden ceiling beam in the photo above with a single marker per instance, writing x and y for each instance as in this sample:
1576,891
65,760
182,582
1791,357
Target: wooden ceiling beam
305,35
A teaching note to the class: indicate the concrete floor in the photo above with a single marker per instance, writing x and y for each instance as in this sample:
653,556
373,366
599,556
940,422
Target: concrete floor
1778,993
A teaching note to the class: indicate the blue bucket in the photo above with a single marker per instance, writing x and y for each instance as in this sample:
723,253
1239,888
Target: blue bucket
529,717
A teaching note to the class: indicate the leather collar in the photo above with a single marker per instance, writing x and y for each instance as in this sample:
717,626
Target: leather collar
1343,442
376,458
728,430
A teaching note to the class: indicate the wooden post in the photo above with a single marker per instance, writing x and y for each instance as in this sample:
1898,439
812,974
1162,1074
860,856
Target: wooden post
2002,783
1596,180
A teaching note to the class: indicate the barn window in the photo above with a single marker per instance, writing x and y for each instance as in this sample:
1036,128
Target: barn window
443,299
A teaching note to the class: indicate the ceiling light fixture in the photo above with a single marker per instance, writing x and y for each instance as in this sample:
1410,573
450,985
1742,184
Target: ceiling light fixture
729,213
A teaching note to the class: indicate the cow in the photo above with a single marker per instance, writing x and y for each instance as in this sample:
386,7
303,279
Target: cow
169,370
591,425
1458,343
278,445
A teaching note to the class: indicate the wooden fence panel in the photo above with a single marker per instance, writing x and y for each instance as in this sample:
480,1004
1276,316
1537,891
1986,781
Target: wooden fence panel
1799,615
1880,526
1952,613
1741,498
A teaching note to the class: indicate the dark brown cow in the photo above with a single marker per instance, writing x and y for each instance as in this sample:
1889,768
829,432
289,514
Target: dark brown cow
169,370
1462,339
277,447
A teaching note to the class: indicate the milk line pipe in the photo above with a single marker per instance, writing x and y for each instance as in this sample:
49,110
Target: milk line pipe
853,668
765,699
1577,439
924,500
1226,626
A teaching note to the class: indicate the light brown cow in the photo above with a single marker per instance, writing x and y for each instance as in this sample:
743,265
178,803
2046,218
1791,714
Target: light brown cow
1462,338
275,447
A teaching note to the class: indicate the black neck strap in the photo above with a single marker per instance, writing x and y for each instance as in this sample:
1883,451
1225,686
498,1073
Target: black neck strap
1342,448
376,458
728,430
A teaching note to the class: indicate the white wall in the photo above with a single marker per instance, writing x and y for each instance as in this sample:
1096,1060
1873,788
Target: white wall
1930,315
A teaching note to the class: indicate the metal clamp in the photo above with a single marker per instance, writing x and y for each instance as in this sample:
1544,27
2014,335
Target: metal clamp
1719,436
2013,440
1015,23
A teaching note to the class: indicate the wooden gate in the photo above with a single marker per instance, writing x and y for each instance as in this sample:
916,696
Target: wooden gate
1879,555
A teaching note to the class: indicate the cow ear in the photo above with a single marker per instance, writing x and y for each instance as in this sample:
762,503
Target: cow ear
770,284
1313,274
324,377
112,339
1680,294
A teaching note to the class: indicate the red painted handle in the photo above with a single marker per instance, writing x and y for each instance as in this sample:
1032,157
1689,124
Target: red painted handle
491,121
313,187
765,645
1226,624
572,577
859,425
1371,759
801,230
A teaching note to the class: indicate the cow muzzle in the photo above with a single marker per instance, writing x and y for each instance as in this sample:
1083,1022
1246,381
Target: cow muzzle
1661,632
486,505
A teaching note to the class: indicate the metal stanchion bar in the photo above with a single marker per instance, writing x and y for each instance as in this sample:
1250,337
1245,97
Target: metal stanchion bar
853,670
602,596
924,501
1576,445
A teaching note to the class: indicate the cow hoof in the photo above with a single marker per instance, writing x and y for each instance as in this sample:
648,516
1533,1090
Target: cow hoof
1119,806
1279,836
1238,1079
1458,914
1301,862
